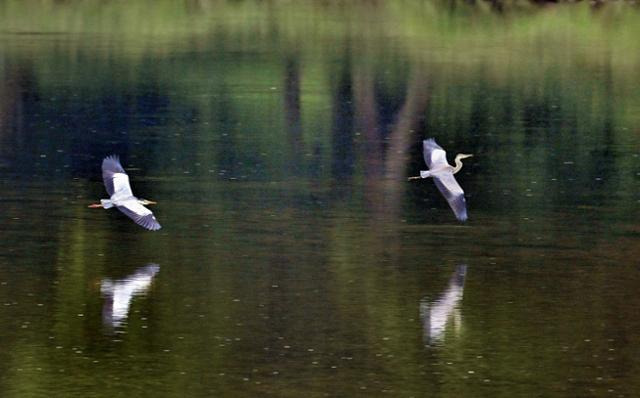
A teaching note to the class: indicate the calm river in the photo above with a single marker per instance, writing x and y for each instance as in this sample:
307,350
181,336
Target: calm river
295,258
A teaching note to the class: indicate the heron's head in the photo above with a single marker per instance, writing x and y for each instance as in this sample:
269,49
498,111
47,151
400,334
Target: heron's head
146,202
463,155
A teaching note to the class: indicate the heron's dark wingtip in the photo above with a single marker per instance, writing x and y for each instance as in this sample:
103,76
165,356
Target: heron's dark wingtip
111,158
111,164
149,222
459,209
428,146
461,215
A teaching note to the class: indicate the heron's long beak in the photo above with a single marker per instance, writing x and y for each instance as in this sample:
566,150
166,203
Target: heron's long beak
95,205
151,202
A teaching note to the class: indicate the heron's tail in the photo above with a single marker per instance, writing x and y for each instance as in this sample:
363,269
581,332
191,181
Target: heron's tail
106,203
425,173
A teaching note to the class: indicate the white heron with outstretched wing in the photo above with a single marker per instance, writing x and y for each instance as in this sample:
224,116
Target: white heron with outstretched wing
116,181
442,173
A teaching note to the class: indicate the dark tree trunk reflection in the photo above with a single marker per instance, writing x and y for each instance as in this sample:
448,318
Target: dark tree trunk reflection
292,114
342,129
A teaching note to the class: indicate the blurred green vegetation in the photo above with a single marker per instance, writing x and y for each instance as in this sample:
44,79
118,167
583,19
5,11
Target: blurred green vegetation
420,24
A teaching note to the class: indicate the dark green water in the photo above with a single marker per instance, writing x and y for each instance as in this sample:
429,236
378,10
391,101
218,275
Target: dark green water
295,258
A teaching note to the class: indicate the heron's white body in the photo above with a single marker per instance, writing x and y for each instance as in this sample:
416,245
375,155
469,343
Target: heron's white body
124,197
121,188
438,172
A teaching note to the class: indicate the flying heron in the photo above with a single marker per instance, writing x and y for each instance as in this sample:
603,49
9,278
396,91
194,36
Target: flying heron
442,173
116,181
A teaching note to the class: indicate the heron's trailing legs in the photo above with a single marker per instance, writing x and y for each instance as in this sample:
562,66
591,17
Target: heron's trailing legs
423,174
104,203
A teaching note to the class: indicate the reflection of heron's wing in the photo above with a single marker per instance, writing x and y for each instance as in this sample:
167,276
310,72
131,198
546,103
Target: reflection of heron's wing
435,316
434,155
114,177
140,214
453,193
118,294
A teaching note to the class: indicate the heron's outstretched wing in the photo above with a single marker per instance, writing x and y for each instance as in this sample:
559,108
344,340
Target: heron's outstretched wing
434,155
140,214
115,178
453,193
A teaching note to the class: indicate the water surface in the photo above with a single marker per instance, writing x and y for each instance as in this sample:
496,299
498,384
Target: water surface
295,257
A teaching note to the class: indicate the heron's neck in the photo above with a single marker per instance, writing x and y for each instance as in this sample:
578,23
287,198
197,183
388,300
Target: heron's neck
458,165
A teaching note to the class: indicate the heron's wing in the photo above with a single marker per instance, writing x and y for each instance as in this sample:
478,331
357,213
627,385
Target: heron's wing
114,177
434,155
453,193
140,214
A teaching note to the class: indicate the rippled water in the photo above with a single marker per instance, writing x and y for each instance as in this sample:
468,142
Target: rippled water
295,257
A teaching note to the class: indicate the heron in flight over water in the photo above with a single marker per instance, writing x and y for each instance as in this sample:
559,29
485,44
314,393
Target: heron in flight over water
442,173
116,181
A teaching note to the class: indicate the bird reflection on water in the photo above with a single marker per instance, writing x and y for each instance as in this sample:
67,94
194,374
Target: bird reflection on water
118,294
436,315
